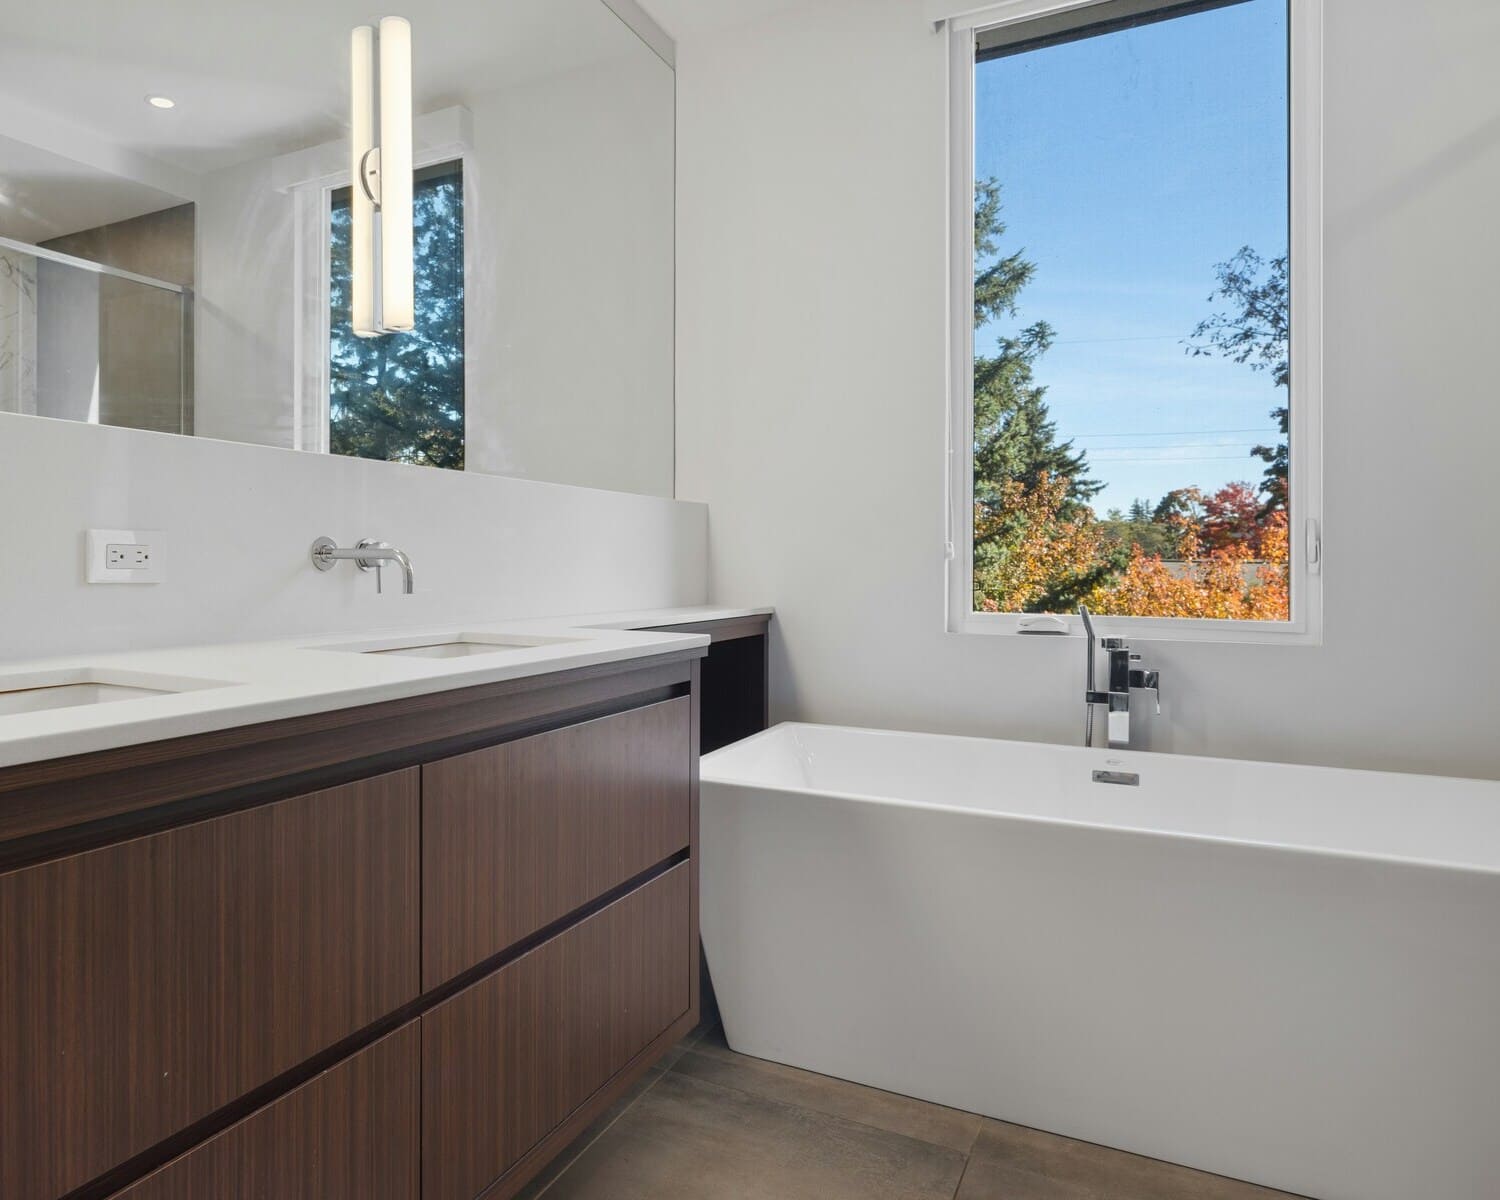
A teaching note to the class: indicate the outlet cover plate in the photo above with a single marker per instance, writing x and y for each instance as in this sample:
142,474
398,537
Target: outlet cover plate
125,556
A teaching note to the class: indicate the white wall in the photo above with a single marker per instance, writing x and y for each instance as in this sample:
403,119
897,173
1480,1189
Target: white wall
239,521
811,393
570,303
569,192
244,308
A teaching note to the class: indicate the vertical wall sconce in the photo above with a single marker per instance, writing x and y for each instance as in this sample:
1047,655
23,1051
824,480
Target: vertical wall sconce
361,204
381,161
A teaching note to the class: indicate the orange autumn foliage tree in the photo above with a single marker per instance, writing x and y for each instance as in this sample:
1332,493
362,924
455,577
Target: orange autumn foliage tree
1047,546
1228,567
1227,583
1232,516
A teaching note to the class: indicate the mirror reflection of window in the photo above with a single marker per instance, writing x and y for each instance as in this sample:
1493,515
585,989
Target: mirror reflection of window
222,324
400,397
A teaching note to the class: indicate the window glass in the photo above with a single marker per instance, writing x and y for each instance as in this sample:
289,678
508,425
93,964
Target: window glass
400,397
1132,359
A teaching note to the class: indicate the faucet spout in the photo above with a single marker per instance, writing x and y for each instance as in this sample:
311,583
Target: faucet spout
367,555
408,575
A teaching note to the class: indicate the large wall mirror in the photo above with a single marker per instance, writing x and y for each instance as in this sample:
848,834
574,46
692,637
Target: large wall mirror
185,246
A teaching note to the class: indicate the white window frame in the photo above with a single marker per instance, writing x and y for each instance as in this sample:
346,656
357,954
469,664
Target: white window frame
311,178
1306,399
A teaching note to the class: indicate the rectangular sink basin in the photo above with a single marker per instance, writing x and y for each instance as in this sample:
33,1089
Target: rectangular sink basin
453,646
451,649
82,686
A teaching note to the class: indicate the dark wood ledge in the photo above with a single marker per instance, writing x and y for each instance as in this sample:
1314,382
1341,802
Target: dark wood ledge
724,630
64,805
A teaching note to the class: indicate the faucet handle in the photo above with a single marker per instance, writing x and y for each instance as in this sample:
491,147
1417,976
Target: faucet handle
371,563
1146,681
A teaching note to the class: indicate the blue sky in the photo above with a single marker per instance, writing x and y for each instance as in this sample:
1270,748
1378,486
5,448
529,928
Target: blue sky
1130,163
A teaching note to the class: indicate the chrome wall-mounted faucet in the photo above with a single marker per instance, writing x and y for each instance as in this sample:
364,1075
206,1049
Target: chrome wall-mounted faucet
1125,674
367,555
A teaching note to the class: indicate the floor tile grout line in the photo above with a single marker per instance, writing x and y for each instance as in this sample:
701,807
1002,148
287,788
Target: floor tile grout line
962,1175
964,1112
687,1043
690,1048
1271,1193
587,1146
968,1155
818,1112
690,1045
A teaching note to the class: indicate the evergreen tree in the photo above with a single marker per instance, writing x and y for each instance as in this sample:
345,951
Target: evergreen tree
1014,435
400,397
1015,438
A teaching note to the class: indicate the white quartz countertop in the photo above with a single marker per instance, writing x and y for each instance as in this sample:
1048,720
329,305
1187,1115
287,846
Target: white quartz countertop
245,683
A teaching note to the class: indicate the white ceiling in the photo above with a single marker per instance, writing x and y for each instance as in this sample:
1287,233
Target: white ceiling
683,18
44,195
259,77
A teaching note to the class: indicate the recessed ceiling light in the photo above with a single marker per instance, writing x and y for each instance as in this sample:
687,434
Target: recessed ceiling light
161,102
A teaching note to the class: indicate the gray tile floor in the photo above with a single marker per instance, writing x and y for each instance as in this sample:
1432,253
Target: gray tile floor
710,1124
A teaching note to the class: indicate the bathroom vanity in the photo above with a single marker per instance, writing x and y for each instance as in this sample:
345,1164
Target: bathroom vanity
376,914
393,949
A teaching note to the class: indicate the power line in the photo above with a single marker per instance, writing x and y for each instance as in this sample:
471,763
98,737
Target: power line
1175,433
1106,453
1181,458
1151,337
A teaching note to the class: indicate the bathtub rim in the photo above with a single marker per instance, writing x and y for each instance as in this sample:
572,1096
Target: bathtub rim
1096,753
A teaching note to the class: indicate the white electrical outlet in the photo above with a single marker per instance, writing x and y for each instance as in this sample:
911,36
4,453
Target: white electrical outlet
124,556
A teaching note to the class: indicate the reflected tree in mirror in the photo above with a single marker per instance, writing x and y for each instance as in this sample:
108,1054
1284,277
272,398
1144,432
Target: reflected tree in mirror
400,397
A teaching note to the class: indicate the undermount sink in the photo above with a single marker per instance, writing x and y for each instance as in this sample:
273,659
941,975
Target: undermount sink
74,688
452,649
459,645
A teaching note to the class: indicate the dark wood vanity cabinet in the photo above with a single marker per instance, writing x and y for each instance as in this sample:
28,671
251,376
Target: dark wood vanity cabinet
416,967
516,836
147,984
734,681
350,1132
589,1001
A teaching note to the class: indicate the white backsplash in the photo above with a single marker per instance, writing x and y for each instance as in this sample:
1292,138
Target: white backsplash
238,521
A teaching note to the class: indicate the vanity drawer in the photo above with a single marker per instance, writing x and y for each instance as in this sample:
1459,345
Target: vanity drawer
349,1134
145,985
518,835
507,1059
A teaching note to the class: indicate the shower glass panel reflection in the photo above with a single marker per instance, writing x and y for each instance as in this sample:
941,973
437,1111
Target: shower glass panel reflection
88,341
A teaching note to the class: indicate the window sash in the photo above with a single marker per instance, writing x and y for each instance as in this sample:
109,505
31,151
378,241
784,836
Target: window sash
1306,297
1082,21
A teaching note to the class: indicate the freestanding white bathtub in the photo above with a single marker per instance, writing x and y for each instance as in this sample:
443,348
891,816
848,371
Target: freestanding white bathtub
1289,975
